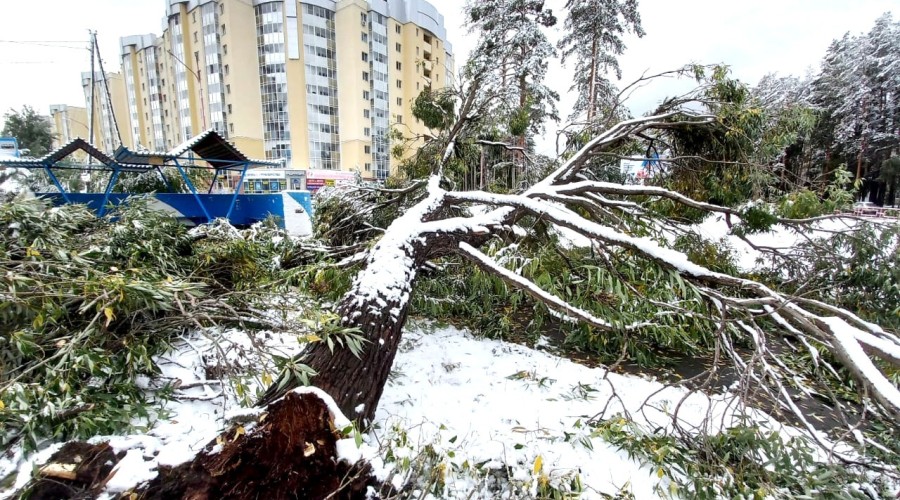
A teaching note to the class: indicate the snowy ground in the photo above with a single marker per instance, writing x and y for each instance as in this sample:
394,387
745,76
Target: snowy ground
509,409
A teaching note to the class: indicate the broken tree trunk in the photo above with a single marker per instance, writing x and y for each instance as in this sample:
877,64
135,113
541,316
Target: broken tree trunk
291,452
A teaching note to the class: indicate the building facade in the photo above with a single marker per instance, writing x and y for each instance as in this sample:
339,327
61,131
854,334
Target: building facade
317,84
106,95
67,123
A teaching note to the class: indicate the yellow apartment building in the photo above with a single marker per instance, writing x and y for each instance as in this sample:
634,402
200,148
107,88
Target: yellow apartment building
318,84
67,123
107,97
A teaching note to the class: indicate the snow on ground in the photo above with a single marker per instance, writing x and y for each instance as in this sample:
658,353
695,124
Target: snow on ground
473,401
296,220
203,368
13,183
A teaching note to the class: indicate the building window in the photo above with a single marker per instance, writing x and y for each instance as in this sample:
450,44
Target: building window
366,113
399,101
226,69
364,37
223,29
231,127
399,66
225,49
229,109
362,18
399,84
195,36
368,167
367,149
399,118
365,57
228,88
366,95
398,47
194,17
367,132
397,29
365,76
221,8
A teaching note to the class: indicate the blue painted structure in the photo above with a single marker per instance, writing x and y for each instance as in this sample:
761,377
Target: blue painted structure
193,207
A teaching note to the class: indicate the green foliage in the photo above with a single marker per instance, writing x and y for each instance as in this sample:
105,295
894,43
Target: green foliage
715,256
242,260
150,182
734,160
857,270
519,121
88,303
755,218
31,129
804,203
327,328
348,215
435,108
643,330
801,205
746,461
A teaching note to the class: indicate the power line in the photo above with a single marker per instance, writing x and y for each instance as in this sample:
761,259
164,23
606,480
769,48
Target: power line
30,62
45,44
41,41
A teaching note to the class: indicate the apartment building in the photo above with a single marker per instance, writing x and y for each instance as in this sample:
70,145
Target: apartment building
106,94
318,84
67,123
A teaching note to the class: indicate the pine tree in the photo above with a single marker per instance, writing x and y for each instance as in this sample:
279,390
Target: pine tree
593,38
512,55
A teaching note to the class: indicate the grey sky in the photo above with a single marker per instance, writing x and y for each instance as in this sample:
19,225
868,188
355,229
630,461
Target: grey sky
754,37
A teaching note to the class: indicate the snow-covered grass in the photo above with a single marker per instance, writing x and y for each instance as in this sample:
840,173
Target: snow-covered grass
491,418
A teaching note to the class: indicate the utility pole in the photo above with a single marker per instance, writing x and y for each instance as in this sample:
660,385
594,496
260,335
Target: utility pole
199,84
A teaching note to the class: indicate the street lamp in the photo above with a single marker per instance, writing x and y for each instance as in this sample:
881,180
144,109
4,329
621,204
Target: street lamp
199,81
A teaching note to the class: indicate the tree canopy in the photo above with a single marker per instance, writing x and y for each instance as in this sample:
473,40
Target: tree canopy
32,130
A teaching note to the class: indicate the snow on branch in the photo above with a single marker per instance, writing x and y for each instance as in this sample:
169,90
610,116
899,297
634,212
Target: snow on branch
849,350
486,263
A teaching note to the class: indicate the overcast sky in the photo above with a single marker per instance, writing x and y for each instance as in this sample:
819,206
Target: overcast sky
43,42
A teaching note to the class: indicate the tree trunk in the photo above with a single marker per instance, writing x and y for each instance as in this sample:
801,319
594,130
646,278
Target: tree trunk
377,304
592,91
862,146
356,384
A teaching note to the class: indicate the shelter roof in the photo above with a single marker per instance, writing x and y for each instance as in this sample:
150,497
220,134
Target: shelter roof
209,146
58,154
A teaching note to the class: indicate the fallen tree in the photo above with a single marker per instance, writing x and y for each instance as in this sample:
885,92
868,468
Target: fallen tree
378,302
615,219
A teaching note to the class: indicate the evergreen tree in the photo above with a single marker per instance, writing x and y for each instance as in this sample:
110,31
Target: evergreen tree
593,39
511,57
30,129
858,96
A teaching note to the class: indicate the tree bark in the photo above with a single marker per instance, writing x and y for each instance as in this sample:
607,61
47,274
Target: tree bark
592,96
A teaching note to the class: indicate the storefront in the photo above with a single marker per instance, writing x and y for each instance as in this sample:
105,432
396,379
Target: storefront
274,180
316,179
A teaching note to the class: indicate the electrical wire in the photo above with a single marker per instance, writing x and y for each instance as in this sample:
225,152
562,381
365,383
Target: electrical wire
46,43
